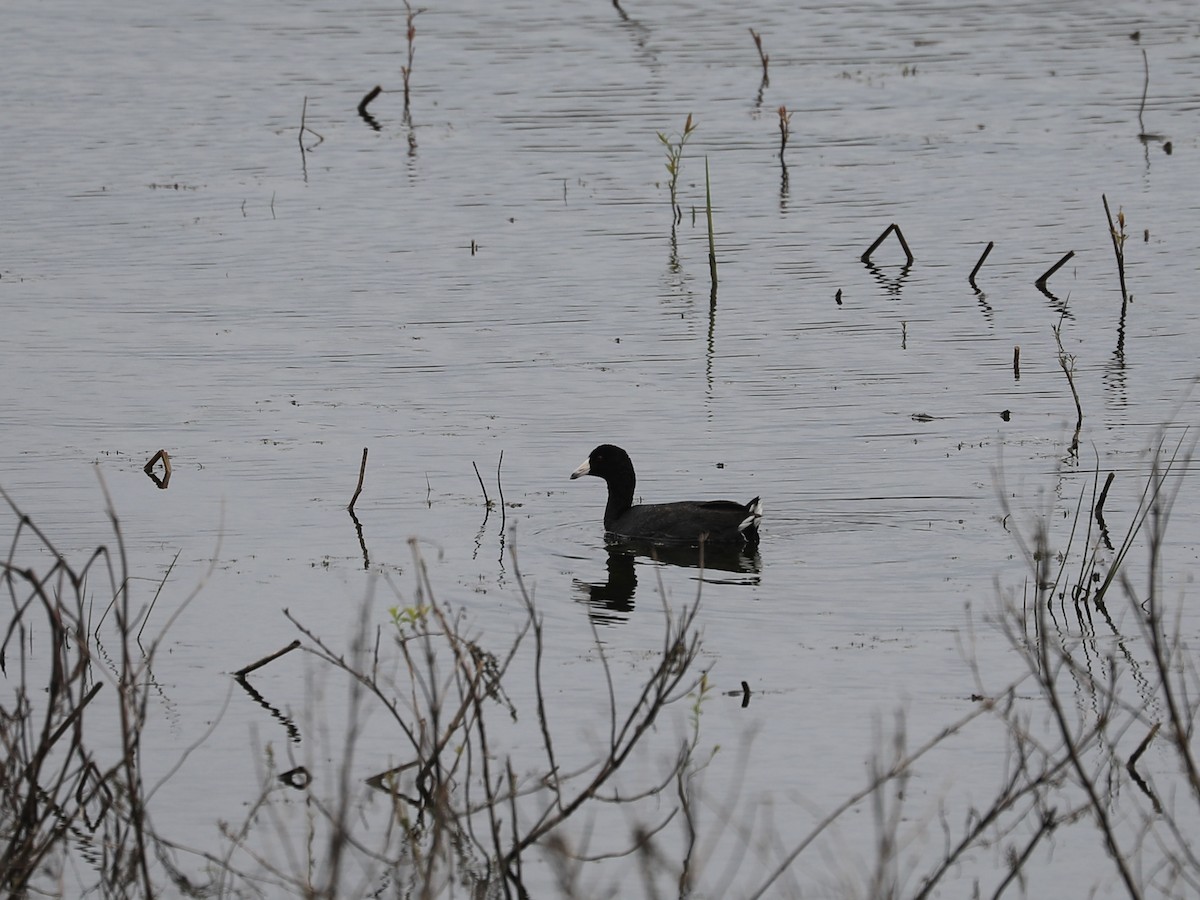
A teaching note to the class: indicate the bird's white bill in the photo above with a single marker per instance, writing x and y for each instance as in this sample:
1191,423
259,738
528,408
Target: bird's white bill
584,469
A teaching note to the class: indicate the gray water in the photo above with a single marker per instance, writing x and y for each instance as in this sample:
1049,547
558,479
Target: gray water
498,272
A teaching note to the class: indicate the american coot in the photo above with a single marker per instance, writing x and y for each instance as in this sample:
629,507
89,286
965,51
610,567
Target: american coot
689,521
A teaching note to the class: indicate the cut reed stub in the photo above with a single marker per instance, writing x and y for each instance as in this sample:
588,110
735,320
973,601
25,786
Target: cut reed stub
838,297
866,257
1041,282
1017,362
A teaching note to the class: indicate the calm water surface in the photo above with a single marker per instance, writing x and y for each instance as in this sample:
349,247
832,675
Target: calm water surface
498,273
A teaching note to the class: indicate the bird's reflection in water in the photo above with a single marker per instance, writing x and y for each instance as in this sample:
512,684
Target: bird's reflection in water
611,602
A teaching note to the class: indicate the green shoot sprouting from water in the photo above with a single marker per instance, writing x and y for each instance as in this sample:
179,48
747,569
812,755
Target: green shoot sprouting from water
674,160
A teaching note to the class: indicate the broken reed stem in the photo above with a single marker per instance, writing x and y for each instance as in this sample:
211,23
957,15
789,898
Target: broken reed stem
411,31
1141,748
362,471
1017,362
785,129
1145,89
500,488
763,57
712,251
866,257
365,101
163,482
166,461
1068,366
1041,282
1118,242
487,501
304,127
1067,362
979,265
1100,503
246,670
157,593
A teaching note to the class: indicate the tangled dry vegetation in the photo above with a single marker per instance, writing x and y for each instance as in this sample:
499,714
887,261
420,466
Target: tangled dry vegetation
1098,742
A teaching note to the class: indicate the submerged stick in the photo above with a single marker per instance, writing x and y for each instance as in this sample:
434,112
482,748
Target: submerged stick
362,471
1041,282
866,257
243,672
979,265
